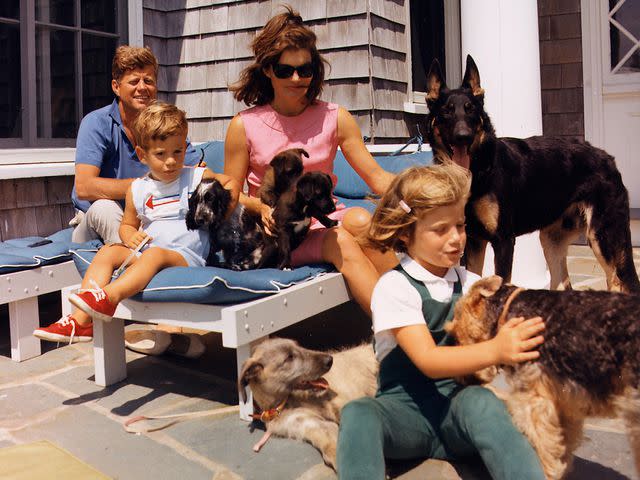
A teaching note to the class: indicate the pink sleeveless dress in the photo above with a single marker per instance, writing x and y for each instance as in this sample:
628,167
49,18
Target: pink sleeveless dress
316,130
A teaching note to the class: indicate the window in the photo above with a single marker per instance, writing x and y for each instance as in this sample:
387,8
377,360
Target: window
56,56
624,35
435,33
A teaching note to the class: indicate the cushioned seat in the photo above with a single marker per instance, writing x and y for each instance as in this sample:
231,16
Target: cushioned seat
211,285
31,252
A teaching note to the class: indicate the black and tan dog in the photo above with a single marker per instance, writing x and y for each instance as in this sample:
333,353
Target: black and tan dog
589,363
561,187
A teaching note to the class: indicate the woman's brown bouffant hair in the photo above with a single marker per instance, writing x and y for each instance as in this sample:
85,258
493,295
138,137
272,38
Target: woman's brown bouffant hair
281,32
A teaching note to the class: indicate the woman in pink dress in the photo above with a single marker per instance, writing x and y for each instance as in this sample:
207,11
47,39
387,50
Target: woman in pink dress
281,86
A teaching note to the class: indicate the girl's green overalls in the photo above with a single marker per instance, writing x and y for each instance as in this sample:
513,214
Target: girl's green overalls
414,416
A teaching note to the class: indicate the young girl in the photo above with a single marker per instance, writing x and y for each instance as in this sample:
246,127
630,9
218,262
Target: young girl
281,86
419,410
155,209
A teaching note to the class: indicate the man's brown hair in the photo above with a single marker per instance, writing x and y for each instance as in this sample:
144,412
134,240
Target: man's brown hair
129,58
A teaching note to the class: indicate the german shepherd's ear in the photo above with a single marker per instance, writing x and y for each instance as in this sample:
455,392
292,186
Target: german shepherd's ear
435,82
250,370
471,78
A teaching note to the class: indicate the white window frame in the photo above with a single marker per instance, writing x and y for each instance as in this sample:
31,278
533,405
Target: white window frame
416,102
16,162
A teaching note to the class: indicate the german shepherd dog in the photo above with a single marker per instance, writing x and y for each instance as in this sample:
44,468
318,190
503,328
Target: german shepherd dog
562,188
301,392
589,363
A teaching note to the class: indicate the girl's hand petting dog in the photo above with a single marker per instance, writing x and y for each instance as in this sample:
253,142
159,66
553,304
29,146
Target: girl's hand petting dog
135,239
516,339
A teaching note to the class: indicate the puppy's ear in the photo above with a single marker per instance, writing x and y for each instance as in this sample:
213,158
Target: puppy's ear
302,151
190,218
222,200
471,78
435,82
490,285
250,370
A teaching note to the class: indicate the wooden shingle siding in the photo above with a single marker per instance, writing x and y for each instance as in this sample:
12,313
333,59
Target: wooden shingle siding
202,46
561,67
34,206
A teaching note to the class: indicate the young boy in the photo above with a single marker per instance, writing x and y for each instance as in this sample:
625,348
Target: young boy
155,209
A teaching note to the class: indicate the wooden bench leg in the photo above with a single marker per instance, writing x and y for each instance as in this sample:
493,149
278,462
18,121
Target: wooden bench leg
108,351
243,352
23,320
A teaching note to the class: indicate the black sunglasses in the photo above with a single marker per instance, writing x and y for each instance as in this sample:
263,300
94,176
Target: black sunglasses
282,70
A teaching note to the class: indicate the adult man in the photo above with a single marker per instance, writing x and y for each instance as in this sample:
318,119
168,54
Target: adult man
106,161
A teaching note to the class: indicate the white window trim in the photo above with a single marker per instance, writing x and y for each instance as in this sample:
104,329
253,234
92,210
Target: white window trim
416,102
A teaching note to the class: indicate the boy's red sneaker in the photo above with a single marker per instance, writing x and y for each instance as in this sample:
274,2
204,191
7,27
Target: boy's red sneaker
67,329
94,302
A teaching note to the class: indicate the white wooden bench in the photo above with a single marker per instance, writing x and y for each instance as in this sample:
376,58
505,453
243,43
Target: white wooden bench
21,290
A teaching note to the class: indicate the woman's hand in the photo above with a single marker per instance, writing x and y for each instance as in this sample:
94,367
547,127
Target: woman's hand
266,214
135,239
516,338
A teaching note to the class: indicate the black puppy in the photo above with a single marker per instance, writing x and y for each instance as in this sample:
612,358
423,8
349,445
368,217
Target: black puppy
284,170
561,187
243,242
310,197
208,206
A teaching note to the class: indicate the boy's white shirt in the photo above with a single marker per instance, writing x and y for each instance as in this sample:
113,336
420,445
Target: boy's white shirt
396,303
165,197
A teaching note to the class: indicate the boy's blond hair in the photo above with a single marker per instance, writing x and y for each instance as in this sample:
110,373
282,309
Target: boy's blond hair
158,122
129,58
421,189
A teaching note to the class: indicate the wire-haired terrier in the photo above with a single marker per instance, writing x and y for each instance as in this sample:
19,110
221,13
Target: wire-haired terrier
589,363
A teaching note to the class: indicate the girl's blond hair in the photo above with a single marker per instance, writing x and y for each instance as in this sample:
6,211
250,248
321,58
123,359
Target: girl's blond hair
158,122
421,189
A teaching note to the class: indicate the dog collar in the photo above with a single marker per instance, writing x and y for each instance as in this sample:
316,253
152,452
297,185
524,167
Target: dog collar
268,415
507,304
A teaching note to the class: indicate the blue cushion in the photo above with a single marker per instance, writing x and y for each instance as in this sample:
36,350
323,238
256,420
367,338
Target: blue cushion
351,185
16,254
211,285
213,155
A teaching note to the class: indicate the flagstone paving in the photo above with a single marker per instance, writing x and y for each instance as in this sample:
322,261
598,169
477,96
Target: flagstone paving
53,397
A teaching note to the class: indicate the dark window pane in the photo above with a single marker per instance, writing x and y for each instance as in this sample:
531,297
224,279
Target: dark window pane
56,84
56,11
628,15
427,40
10,8
99,15
10,88
97,53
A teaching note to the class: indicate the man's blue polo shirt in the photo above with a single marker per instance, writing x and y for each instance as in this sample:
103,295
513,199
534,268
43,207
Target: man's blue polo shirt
103,143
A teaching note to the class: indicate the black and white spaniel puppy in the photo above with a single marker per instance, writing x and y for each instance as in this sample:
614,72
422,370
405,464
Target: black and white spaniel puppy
243,242
208,206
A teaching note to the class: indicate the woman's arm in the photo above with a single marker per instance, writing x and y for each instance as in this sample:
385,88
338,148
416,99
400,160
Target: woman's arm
356,153
129,233
511,345
236,165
